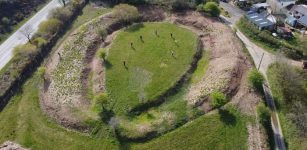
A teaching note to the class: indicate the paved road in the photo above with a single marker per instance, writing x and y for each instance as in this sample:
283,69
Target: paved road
259,55
6,48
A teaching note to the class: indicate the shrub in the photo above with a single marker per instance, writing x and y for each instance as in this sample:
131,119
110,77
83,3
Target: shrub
62,14
218,99
180,4
255,79
101,53
101,100
41,71
212,8
49,27
26,50
264,114
200,7
286,83
39,42
102,32
5,21
125,13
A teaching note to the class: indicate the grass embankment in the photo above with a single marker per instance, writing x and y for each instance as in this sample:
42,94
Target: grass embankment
23,121
173,113
290,96
225,129
152,66
293,48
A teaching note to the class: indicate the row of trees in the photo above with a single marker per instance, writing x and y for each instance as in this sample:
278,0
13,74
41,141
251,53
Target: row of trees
290,92
14,11
25,56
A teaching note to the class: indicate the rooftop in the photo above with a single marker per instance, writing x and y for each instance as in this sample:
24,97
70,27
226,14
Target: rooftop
259,20
300,8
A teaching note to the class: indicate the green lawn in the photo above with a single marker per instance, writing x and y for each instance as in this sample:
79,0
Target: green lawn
23,121
220,130
151,69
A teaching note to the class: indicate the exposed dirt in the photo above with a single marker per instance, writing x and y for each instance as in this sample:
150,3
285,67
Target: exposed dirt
224,71
8,145
70,108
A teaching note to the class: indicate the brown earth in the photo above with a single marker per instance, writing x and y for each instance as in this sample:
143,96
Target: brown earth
8,145
70,109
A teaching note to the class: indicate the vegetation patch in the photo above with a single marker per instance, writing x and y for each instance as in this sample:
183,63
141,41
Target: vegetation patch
146,60
288,89
225,129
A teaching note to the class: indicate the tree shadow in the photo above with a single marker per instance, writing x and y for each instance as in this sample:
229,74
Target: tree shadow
135,27
108,64
227,117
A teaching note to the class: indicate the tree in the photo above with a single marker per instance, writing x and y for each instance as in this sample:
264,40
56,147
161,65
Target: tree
26,50
27,31
255,79
62,14
41,72
49,27
264,114
102,100
212,8
101,53
298,116
62,2
218,99
125,13
287,84
5,21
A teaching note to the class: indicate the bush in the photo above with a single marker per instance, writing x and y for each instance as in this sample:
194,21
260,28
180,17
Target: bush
180,4
101,53
41,71
286,83
101,100
125,13
218,99
290,53
263,113
255,79
26,50
49,28
102,32
39,42
61,14
212,8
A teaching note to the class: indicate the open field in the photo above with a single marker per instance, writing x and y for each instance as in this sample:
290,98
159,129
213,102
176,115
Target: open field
224,129
24,122
152,66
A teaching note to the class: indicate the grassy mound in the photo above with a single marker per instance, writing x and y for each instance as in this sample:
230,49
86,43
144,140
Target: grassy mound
223,130
138,73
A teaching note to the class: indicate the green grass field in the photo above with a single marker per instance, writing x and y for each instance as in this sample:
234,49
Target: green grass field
220,130
151,68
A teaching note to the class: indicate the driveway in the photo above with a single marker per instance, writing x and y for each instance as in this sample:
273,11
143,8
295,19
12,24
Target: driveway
17,38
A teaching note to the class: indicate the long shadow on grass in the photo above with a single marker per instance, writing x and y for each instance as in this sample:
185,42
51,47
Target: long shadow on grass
108,64
135,27
173,90
227,117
